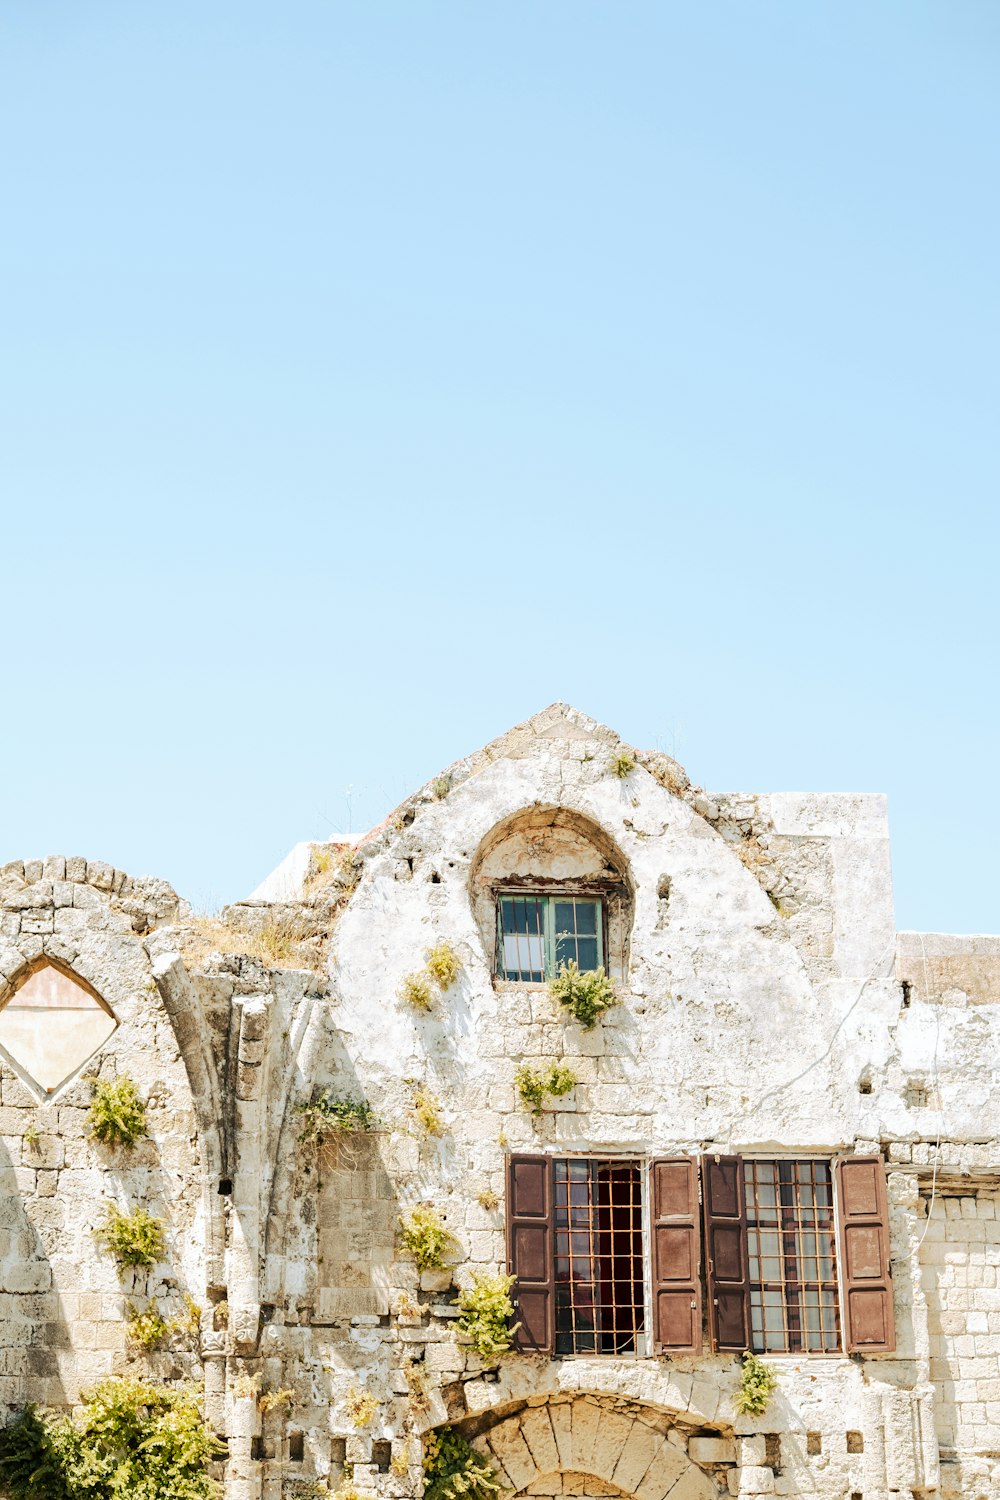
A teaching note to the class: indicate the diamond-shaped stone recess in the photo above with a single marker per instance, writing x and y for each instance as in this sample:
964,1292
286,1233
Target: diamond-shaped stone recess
52,1024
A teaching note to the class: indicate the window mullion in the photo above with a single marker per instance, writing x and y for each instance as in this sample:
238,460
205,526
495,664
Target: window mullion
550,935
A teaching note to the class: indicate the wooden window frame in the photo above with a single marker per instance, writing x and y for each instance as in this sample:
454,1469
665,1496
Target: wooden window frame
540,1290
547,897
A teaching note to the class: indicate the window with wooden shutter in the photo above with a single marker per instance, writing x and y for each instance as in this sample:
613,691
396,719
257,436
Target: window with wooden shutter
869,1326
726,1252
530,1251
676,1246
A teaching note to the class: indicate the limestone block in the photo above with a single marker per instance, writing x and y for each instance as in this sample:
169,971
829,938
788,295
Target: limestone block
513,1454
756,1479
713,1450
663,1473
638,1453
536,1430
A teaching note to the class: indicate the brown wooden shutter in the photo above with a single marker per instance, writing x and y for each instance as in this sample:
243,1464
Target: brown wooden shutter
676,1255
724,1203
869,1326
531,1251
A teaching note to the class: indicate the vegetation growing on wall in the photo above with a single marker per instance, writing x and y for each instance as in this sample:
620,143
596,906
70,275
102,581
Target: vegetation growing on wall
416,990
453,1470
134,1239
585,995
427,1111
486,1312
757,1381
443,965
129,1438
335,1114
362,1407
623,764
425,1237
146,1330
117,1115
534,1087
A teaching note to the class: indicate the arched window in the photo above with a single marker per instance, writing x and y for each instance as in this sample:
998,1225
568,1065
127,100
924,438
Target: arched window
550,888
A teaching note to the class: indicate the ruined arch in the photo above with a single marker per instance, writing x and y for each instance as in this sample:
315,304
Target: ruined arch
588,1445
552,849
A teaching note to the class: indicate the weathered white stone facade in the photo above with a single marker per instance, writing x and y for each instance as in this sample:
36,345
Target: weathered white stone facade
767,1007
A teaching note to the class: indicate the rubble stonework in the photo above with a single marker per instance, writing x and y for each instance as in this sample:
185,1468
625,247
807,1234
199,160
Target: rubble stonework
767,1006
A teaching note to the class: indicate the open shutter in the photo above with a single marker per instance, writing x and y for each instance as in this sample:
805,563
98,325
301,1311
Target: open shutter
724,1204
530,1251
869,1327
676,1255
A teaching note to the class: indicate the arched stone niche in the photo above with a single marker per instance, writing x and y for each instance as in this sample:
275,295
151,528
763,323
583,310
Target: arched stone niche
554,850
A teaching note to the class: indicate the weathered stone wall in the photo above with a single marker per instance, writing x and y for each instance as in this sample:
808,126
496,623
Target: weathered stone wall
761,1011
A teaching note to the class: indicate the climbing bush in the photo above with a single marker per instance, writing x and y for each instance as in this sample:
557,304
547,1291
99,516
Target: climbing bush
757,1381
586,995
486,1313
134,1239
330,1114
117,1115
534,1088
129,1438
453,1470
443,965
426,1238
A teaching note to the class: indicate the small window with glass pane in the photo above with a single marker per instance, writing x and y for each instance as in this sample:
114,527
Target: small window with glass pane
537,934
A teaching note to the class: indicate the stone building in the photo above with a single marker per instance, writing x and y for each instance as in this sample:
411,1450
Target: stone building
782,1137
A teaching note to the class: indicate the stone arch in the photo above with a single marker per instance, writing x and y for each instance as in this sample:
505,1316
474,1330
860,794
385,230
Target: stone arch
586,1445
554,848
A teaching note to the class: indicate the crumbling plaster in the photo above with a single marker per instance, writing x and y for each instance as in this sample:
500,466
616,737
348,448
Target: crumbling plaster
762,1009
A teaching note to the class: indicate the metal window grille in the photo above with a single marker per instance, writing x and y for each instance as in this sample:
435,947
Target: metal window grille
600,1296
537,934
792,1256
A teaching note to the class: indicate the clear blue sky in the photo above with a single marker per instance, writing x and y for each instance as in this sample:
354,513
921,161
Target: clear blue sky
373,374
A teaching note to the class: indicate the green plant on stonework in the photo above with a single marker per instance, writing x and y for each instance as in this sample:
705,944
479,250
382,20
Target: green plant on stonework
335,1114
279,1400
443,965
485,1314
441,787
585,995
534,1088
418,1383
416,990
488,1199
146,1330
247,1387
117,1115
427,1110
757,1381
623,764
31,1136
425,1237
129,1438
453,1470
134,1239
362,1408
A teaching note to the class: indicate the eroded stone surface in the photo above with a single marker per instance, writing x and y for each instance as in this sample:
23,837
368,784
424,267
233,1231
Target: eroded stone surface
761,1011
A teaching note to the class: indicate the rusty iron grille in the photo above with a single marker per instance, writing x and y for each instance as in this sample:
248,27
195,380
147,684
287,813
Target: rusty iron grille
537,934
792,1256
600,1302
